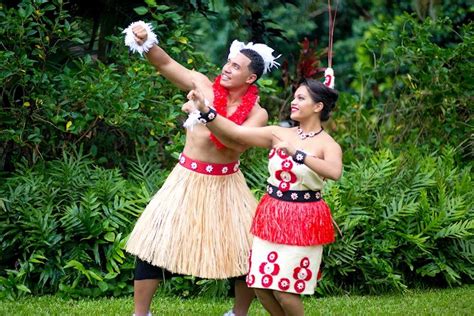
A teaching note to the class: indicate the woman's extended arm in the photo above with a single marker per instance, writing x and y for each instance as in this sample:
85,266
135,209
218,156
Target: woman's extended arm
223,128
330,166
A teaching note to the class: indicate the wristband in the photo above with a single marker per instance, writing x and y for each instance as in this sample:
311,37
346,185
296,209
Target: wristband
130,38
299,156
208,117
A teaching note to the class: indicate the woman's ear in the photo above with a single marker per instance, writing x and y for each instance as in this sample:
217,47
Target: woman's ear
318,107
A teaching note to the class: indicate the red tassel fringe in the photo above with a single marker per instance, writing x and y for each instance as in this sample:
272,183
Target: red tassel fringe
293,223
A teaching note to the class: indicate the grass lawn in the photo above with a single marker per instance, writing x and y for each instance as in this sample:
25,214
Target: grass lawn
457,301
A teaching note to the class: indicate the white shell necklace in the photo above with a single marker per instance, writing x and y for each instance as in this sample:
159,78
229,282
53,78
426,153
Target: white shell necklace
303,136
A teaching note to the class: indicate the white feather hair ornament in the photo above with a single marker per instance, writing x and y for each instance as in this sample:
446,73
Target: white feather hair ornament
261,49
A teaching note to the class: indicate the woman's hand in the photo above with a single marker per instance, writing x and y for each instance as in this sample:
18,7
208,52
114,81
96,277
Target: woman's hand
188,107
286,147
197,97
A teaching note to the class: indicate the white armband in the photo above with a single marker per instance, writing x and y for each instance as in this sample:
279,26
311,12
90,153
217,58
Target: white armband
130,38
193,118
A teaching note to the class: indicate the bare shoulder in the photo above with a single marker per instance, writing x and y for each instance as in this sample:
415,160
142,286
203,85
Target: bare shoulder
331,144
258,110
258,115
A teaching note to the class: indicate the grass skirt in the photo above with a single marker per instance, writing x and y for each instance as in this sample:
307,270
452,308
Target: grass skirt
197,224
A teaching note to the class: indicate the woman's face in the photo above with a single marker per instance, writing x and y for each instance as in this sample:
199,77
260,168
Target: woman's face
302,105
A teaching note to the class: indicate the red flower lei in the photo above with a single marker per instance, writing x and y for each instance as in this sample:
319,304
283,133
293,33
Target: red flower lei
242,111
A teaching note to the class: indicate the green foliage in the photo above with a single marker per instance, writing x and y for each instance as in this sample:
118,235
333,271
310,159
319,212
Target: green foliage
415,86
63,227
406,218
190,286
455,301
406,221
54,98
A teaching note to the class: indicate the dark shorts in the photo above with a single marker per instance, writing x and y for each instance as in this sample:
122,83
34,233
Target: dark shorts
146,271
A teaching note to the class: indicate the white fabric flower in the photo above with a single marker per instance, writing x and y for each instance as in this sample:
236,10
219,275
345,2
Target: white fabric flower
299,157
307,196
209,168
294,196
194,165
225,169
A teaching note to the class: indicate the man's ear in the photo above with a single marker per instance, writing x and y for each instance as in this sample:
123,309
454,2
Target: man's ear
251,79
318,107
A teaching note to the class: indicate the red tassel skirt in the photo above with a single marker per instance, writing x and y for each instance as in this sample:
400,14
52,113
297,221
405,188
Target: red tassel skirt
293,223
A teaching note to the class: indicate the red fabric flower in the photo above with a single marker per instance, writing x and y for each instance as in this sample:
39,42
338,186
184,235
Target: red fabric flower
269,268
300,273
304,262
272,256
267,280
284,284
286,176
250,279
282,154
300,286
286,165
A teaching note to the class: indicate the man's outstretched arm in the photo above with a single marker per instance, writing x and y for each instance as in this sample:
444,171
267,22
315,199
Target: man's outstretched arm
167,66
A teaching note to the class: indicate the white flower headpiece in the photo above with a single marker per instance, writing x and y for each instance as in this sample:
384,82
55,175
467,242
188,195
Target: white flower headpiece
130,38
262,49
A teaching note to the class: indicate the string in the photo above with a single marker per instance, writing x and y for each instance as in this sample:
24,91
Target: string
332,21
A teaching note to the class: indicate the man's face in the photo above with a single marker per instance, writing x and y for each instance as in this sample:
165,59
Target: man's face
236,73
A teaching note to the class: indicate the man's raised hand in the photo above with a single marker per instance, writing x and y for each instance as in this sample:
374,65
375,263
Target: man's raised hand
140,34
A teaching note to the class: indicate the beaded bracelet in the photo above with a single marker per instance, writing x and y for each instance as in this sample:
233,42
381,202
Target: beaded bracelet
299,156
208,117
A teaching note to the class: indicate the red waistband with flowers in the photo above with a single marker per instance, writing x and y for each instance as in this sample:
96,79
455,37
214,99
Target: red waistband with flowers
214,169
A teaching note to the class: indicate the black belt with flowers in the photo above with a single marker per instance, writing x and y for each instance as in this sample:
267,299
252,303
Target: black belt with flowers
293,196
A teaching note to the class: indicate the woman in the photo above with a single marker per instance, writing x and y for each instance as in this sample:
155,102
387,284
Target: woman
292,222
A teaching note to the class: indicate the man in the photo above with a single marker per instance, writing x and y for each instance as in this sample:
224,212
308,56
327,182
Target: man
198,222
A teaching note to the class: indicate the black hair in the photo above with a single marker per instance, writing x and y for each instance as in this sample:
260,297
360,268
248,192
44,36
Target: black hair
319,92
257,65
